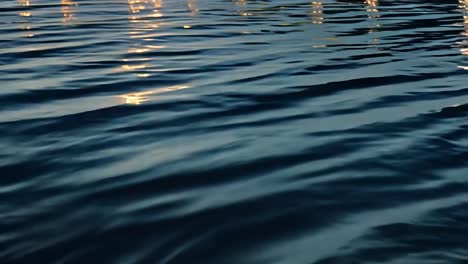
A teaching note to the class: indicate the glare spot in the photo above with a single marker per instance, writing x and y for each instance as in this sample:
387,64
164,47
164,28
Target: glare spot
141,97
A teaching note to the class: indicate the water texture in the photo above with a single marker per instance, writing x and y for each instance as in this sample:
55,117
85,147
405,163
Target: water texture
281,131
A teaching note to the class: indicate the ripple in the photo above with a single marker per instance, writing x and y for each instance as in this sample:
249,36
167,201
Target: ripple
146,131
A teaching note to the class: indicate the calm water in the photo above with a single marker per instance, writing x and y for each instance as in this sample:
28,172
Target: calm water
281,131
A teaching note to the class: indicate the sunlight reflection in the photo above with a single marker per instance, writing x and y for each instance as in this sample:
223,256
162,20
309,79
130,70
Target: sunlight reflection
26,25
127,67
464,44
373,15
25,14
68,11
145,17
141,97
464,7
317,12
25,3
241,8
372,7
147,8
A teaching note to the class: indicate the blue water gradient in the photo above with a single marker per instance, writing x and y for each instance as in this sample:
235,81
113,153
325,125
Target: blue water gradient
233,131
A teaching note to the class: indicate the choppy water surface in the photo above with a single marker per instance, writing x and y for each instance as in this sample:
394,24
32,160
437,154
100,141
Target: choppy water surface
171,131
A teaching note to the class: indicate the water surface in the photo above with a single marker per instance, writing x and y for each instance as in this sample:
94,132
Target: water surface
158,131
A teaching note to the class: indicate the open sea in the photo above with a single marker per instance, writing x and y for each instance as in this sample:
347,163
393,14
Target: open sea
233,131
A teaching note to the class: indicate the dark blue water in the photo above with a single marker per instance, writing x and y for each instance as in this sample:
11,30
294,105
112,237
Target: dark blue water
282,131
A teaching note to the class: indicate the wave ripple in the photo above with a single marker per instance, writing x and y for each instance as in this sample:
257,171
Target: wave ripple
156,131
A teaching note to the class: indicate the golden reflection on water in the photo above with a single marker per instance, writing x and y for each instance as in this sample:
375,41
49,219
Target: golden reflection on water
68,11
317,12
146,21
137,6
25,14
372,7
464,44
26,24
145,17
464,8
373,15
141,97
25,3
